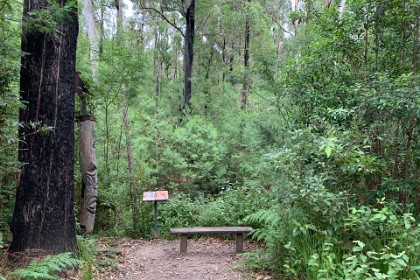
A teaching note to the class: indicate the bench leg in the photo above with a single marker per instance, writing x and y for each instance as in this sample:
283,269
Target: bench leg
239,242
183,243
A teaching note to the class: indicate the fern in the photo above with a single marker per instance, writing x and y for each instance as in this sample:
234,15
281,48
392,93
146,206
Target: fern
45,268
266,221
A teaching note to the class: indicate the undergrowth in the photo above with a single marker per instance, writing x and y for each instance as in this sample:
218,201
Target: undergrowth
46,268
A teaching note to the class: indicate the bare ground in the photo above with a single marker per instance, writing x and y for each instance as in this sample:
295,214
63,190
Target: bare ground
159,259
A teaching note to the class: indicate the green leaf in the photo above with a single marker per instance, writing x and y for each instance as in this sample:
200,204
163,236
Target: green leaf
328,151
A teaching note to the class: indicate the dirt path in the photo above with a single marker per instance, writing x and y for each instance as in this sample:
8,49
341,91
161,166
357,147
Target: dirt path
207,258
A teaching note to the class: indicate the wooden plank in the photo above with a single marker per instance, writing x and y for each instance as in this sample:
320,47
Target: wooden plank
210,230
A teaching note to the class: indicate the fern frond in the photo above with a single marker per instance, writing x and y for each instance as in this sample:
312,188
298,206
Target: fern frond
264,217
29,274
44,268
266,222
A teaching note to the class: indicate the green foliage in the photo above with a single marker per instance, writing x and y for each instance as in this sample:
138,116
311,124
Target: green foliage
10,14
180,211
45,18
331,126
193,155
107,260
45,268
87,251
231,207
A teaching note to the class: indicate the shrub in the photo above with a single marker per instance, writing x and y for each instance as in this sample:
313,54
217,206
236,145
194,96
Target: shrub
179,211
231,207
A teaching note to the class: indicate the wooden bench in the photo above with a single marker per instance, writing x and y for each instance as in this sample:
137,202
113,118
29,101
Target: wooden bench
185,232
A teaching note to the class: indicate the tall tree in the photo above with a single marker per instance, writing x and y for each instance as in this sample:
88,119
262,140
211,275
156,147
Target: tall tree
245,90
43,217
90,20
189,10
133,191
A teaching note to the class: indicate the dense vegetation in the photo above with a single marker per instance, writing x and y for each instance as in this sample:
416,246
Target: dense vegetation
304,123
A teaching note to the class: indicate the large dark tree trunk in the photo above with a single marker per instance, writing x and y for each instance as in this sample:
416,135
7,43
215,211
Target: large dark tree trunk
43,217
189,8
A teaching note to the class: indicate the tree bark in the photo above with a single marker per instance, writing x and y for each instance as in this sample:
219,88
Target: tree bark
92,36
189,8
43,218
245,90
416,39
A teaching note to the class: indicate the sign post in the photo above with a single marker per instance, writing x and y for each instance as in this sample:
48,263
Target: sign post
155,197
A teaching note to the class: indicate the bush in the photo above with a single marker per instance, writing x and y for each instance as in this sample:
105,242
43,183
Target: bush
231,207
368,244
179,211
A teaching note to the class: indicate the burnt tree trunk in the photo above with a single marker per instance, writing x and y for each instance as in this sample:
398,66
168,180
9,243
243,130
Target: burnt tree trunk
43,218
189,9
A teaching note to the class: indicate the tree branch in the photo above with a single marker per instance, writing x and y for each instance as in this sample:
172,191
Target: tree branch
162,15
202,23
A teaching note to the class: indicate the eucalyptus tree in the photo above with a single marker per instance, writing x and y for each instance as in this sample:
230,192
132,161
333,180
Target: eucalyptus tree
124,106
187,10
43,217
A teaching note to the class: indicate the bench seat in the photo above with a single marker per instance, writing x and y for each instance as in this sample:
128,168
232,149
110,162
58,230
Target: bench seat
185,232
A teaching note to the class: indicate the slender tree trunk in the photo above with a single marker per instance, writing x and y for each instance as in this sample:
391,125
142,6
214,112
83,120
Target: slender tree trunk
416,39
246,84
209,63
224,59
396,151
232,59
378,15
93,38
176,63
43,217
189,9
158,65
342,8
366,48
403,40
106,143
133,190
102,30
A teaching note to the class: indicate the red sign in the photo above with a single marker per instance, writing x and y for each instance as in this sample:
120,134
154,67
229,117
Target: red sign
155,196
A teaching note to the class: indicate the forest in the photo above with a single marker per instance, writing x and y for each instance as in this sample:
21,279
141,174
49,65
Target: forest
299,118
